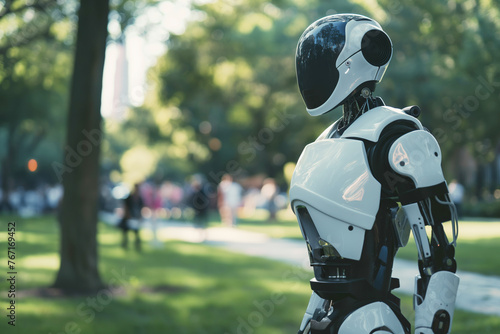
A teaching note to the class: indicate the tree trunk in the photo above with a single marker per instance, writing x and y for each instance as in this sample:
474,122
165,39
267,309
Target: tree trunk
78,272
6,170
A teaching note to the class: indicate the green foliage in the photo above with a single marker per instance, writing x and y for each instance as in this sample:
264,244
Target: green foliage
224,97
123,13
443,61
231,77
234,70
483,209
35,65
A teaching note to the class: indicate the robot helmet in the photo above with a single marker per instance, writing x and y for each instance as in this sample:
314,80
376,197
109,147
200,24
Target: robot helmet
336,55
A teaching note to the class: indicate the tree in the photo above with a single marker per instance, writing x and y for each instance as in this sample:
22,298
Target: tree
78,271
19,33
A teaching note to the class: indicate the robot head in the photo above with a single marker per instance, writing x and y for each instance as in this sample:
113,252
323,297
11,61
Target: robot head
336,56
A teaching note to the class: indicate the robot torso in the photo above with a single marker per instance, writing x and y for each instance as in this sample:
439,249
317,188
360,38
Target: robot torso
334,182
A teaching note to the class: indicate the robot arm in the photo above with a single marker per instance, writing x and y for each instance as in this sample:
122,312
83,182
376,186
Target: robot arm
416,155
436,286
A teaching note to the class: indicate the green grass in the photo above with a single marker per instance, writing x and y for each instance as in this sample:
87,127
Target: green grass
479,255
284,227
178,288
477,250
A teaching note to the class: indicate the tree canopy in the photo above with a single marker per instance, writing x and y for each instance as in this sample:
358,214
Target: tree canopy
35,57
224,98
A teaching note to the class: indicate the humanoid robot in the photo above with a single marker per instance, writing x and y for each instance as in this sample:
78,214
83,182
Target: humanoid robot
367,181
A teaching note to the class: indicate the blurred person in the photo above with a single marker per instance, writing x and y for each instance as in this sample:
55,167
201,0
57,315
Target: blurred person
156,204
16,199
457,192
200,203
251,200
269,191
54,194
229,199
132,217
172,195
34,202
6,204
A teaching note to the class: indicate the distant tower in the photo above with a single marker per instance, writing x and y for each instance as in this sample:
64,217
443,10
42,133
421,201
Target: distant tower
120,93
115,99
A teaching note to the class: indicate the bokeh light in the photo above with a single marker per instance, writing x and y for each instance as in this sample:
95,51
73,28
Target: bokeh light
32,165
214,144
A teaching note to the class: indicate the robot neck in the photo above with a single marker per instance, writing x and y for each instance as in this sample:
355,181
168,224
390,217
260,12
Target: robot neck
356,104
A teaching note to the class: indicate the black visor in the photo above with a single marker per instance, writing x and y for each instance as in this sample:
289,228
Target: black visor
317,53
316,58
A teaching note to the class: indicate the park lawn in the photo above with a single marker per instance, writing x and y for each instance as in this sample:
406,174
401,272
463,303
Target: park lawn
478,246
178,288
285,226
479,255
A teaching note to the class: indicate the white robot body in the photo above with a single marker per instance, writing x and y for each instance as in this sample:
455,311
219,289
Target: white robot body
418,156
434,312
333,181
363,185
315,303
374,318
370,125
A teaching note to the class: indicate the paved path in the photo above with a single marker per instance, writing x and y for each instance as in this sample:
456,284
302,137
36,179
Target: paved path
477,293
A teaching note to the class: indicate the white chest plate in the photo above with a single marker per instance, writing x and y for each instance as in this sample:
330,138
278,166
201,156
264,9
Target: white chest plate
334,177
333,181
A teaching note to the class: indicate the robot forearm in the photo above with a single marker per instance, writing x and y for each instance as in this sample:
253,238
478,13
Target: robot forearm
436,287
434,308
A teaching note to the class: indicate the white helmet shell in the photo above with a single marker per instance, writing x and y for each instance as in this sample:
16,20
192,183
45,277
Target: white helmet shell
336,55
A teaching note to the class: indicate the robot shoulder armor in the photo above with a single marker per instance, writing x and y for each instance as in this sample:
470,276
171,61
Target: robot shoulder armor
417,155
370,125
